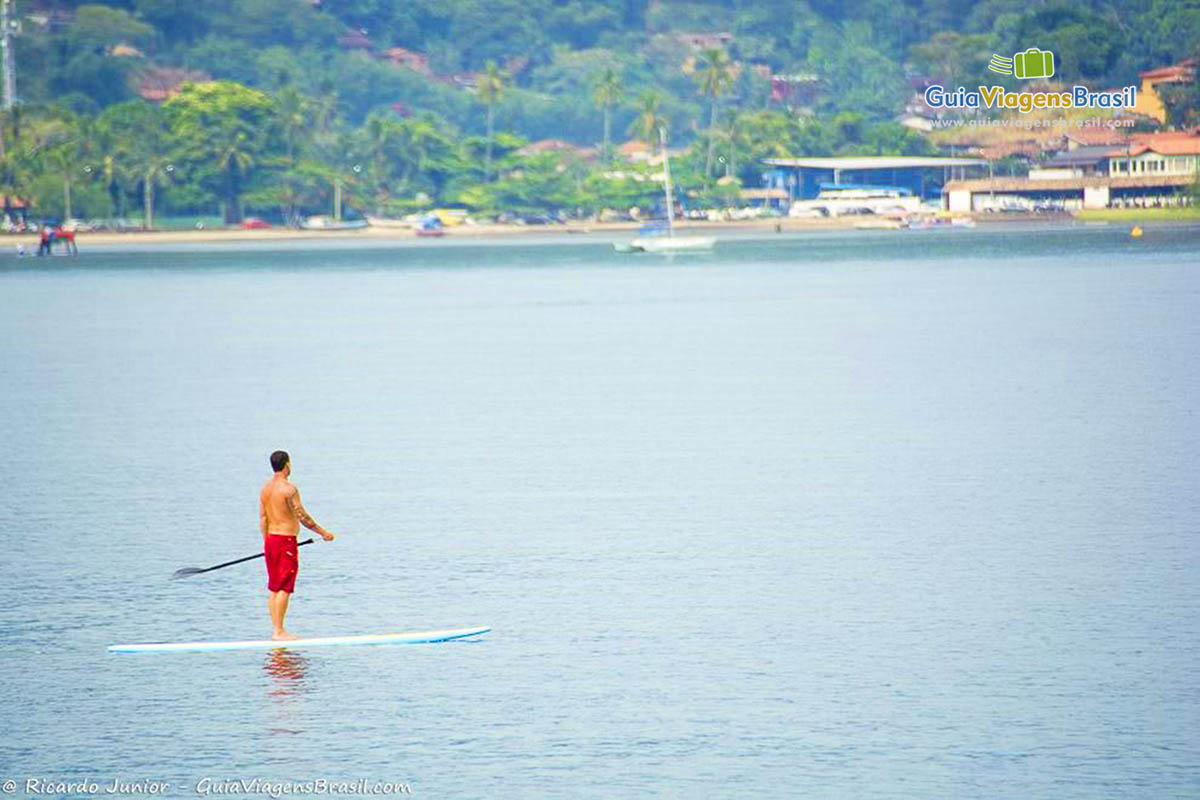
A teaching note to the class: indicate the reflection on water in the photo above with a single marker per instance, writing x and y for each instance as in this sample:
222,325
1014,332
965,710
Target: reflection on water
287,673
287,670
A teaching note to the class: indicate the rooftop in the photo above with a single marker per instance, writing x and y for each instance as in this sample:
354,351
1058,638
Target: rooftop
1066,184
1099,135
1174,73
1081,156
1168,143
877,162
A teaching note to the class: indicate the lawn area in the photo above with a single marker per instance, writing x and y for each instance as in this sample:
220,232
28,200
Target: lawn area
1190,214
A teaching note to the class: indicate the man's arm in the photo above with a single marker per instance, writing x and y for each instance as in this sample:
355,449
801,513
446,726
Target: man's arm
305,518
262,516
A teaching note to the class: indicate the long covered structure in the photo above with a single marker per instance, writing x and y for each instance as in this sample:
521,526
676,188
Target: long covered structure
922,176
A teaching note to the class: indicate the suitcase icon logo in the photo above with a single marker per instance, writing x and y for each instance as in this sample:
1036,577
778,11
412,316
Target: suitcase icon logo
1033,63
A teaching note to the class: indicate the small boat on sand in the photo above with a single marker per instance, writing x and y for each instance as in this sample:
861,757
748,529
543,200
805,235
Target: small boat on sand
430,226
321,222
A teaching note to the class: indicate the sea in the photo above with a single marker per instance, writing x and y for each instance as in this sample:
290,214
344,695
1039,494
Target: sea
860,514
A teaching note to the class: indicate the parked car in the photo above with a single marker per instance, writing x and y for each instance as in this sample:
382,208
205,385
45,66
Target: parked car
254,223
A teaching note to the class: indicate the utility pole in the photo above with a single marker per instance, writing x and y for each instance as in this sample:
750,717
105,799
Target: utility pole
662,137
10,78
8,94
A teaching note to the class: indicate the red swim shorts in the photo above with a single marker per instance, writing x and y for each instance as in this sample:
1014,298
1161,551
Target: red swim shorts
282,563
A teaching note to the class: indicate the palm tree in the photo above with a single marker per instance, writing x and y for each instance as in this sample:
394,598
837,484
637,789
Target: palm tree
150,159
649,120
491,91
336,158
156,170
59,148
138,153
606,94
75,140
714,75
60,161
294,114
112,153
234,158
735,133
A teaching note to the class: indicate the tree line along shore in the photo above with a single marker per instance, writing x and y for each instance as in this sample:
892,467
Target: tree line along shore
137,111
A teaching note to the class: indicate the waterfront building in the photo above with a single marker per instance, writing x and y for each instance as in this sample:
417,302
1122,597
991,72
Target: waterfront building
916,176
1149,103
1149,170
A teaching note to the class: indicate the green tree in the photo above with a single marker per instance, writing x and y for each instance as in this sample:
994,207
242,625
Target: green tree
860,77
143,149
59,161
62,144
425,150
539,184
1182,101
955,58
491,90
99,27
1084,45
431,155
605,94
294,115
225,127
714,74
382,134
178,20
338,155
649,118
297,187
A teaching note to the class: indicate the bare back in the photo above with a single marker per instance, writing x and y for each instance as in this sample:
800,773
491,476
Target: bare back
277,500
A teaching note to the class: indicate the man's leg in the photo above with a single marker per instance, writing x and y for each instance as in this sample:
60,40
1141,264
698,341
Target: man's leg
278,604
272,607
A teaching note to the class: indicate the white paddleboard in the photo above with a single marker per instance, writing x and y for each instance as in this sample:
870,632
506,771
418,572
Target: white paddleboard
422,637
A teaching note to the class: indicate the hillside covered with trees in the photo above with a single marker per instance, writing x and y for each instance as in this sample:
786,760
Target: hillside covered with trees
403,104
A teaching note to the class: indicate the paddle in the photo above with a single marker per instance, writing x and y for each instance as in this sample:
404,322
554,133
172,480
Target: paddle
189,571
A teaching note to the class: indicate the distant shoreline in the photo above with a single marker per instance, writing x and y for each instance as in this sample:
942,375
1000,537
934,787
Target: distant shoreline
405,234
400,234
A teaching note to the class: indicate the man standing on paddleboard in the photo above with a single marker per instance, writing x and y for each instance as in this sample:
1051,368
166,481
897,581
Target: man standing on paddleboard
280,516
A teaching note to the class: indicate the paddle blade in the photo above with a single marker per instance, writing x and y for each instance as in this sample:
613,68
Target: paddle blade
185,572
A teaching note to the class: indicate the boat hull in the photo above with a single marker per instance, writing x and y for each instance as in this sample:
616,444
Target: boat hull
668,244
329,224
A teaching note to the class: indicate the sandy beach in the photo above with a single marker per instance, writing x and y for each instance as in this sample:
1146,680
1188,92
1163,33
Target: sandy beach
401,232
404,233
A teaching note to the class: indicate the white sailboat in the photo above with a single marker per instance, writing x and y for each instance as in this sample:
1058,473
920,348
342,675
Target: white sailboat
670,243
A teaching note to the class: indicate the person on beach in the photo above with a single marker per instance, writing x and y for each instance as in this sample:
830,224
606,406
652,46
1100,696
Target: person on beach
280,516
68,240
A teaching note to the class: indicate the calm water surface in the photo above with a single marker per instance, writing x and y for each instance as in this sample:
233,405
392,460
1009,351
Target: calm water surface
894,514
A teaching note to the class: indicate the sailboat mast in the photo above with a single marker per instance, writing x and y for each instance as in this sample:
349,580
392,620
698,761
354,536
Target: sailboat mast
662,137
9,94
